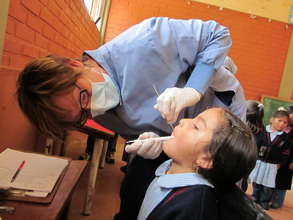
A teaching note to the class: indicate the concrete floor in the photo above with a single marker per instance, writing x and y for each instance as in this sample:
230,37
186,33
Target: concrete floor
106,199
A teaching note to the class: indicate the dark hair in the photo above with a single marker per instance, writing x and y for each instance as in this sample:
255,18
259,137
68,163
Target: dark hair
280,113
232,140
254,116
37,83
234,154
290,109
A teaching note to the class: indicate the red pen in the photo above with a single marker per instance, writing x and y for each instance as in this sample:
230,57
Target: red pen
18,170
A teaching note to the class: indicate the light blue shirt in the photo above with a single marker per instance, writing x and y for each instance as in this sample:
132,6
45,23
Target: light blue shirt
164,53
163,184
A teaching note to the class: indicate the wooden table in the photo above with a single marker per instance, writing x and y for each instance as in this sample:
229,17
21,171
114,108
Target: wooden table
58,208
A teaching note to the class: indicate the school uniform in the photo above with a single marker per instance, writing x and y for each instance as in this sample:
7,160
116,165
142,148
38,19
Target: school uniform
272,152
178,196
192,203
284,177
189,196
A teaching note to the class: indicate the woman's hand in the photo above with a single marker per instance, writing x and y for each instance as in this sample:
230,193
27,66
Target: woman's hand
173,100
148,149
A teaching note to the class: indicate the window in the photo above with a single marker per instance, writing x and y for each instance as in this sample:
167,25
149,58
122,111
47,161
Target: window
88,4
290,19
98,10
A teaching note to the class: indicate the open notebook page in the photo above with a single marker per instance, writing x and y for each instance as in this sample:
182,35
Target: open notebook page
39,173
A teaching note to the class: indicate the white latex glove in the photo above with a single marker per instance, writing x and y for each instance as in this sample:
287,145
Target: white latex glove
148,149
173,100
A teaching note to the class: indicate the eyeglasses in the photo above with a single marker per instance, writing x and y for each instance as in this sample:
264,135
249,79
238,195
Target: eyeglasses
83,102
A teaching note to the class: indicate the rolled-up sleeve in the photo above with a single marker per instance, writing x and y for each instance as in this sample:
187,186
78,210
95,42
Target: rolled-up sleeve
202,44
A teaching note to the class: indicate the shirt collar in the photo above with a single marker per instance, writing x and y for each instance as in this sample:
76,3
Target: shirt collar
269,129
179,179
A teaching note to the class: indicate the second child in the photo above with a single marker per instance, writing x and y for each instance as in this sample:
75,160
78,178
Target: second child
285,172
272,153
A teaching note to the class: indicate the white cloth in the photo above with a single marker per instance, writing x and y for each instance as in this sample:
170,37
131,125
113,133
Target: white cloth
230,65
224,80
264,174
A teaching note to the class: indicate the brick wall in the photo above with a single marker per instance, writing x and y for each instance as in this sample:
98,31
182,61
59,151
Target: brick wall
259,46
37,28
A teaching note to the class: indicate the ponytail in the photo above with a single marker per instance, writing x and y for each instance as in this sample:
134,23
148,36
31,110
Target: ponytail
235,204
254,116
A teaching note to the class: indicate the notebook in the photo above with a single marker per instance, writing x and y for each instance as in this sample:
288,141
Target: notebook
36,178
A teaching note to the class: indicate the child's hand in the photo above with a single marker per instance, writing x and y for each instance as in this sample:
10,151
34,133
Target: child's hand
148,149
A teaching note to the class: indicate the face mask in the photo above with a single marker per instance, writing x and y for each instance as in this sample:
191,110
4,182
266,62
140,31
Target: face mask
105,96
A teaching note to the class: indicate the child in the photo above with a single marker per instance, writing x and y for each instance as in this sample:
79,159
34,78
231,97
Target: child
273,152
284,174
209,154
